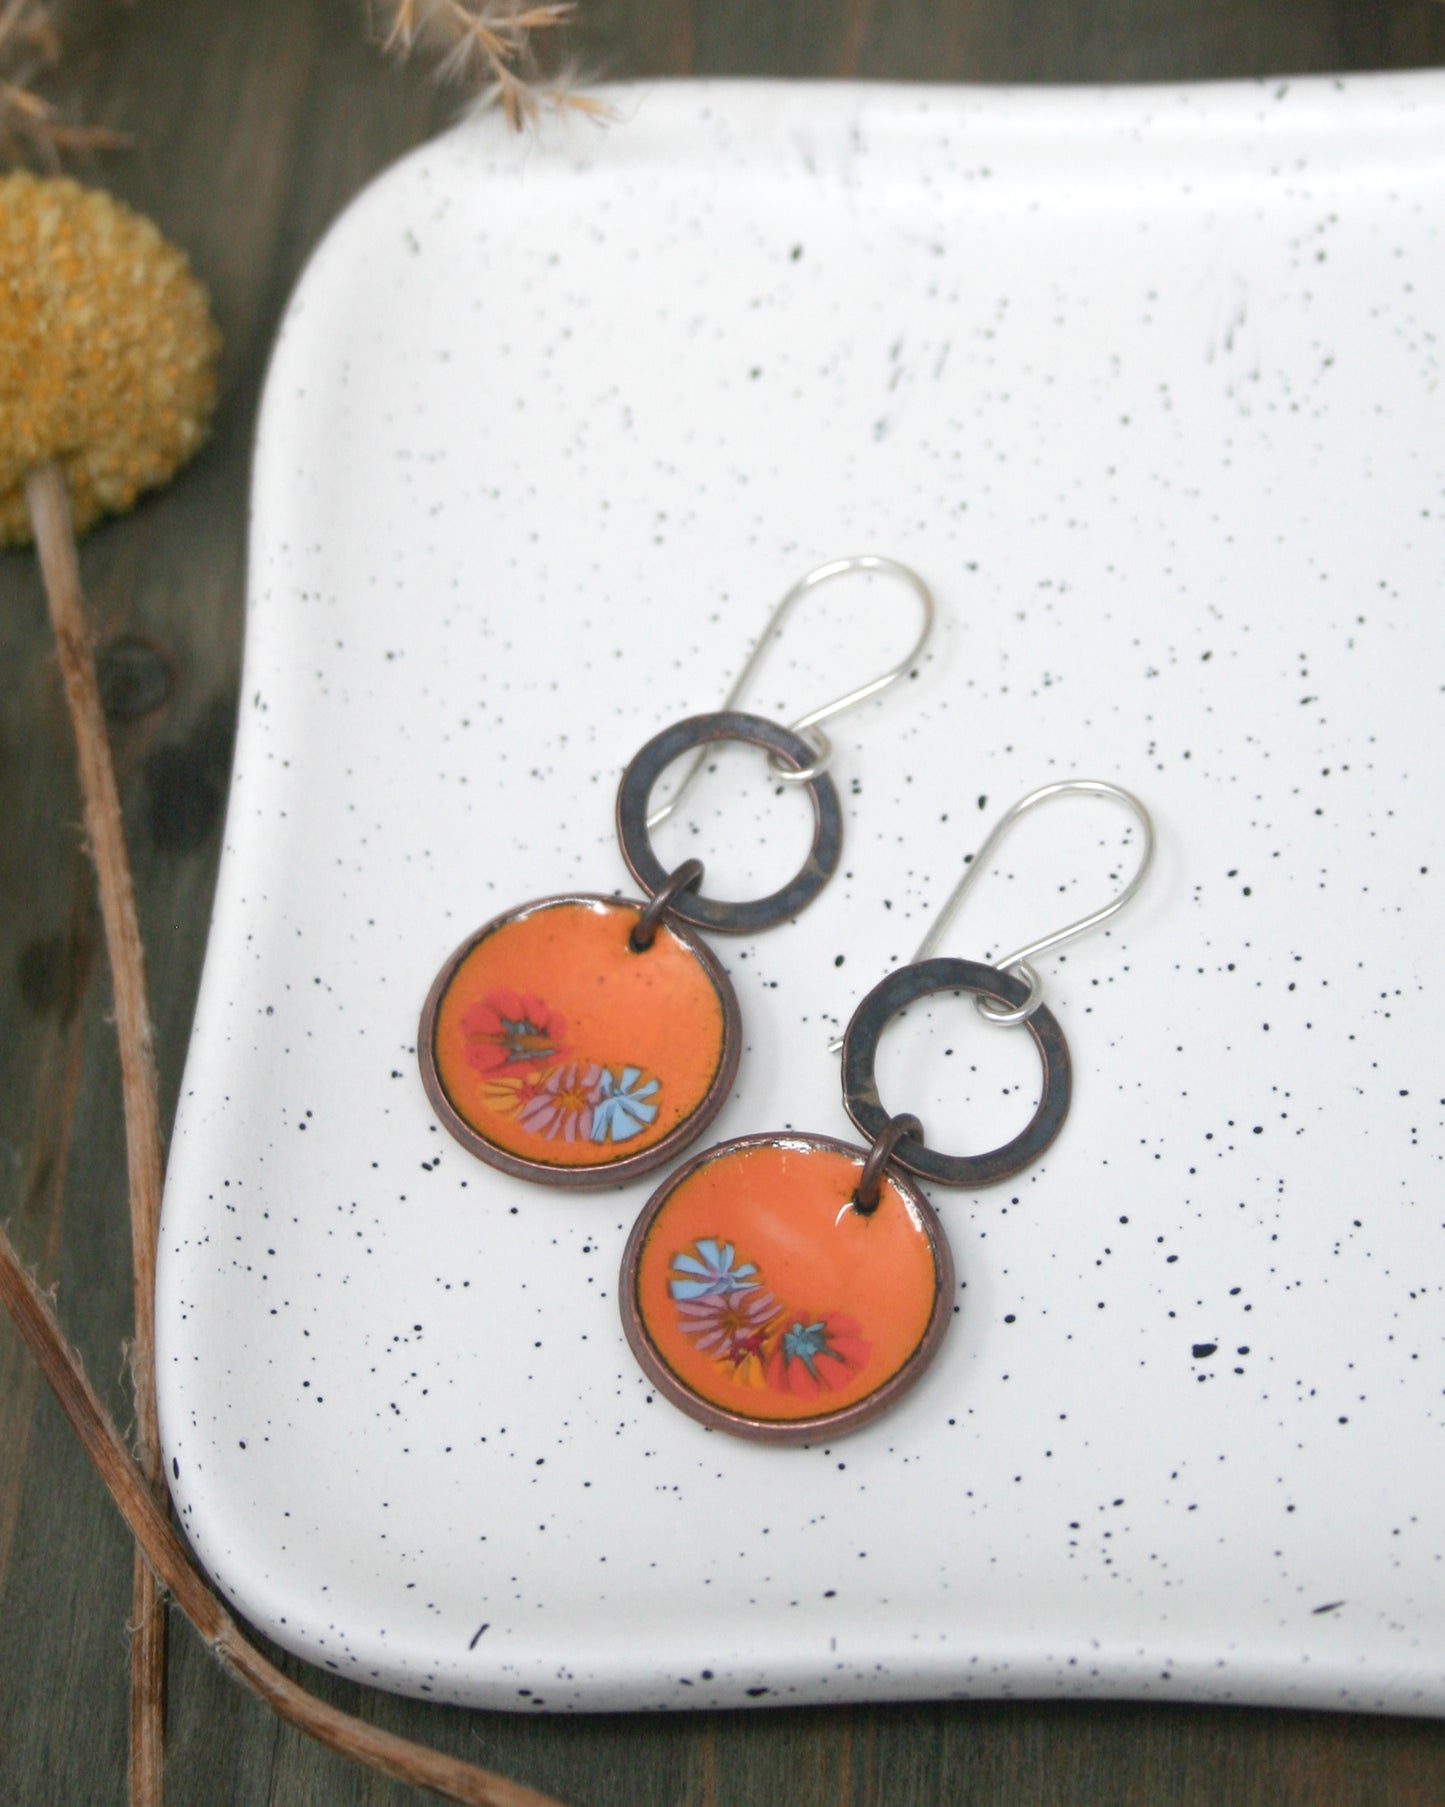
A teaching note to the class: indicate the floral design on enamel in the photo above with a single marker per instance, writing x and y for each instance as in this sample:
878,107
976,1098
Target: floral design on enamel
519,1044
624,1107
731,1316
811,1358
509,1031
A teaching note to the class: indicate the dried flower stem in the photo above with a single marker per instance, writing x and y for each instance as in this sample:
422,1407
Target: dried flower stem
48,499
164,1551
147,1775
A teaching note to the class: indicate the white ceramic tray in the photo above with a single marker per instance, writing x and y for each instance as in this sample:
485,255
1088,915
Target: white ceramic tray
1147,383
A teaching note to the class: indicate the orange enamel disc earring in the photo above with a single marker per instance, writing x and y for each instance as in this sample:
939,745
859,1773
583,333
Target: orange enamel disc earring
581,1040
791,1287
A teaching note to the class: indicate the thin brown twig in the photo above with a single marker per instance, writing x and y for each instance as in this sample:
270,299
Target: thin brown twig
48,498
396,1757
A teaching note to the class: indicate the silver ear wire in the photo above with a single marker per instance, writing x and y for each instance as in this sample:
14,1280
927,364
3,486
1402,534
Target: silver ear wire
809,725
1018,962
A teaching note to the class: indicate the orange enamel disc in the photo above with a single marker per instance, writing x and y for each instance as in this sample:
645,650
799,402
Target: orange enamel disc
552,1049
760,1301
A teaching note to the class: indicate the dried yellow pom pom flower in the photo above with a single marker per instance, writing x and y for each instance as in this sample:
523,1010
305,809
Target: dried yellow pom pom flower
107,350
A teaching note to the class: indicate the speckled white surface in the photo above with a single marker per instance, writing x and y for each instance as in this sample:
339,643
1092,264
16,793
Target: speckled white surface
1147,383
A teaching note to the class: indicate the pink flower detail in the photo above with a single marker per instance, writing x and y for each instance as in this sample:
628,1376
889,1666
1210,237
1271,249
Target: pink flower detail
729,1326
563,1104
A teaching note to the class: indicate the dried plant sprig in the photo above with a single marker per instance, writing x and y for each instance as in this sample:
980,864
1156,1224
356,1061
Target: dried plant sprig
48,497
396,1757
487,46
496,30
33,130
523,103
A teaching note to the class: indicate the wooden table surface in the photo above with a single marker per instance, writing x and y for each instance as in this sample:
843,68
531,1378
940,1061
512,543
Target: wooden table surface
256,121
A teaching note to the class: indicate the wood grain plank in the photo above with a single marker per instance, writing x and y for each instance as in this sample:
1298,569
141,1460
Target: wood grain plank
56,973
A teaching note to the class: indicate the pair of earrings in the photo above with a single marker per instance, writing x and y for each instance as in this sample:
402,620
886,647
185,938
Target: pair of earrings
782,1286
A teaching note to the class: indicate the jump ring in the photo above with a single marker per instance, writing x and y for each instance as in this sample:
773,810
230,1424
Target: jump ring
687,877
647,767
860,1084
865,1199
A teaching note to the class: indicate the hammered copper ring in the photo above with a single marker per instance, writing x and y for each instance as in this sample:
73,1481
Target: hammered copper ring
635,793
860,1086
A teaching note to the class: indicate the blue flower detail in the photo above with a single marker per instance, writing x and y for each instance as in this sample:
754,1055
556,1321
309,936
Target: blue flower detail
710,1274
623,1109
804,1341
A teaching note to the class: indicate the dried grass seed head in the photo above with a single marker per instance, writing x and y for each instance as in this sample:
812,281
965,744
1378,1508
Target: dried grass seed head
489,47
107,349
34,130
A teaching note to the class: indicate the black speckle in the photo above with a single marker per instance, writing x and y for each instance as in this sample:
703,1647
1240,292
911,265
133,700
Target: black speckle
1203,1349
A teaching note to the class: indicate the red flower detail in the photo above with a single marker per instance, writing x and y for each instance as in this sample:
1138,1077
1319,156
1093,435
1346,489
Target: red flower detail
513,1031
814,1355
